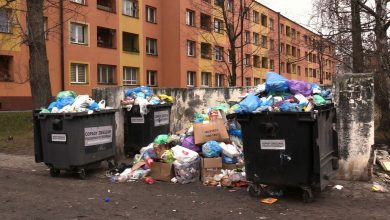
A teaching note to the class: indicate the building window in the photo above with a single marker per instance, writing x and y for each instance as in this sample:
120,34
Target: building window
264,20
218,53
205,50
151,76
246,13
288,31
130,8
264,62
247,60
82,2
219,3
78,33
271,44
288,49
130,76
106,37
205,22
271,64
130,42
5,68
229,57
314,73
256,81
256,17
282,67
151,14
106,74
248,81
271,24
78,73
191,76
218,26
191,47
247,37
106,5
293,33
256,38
256,61
229,5
294,69
151,46
206,79
219,80
282,50
5,20
294,51
281,28
190,18
264,41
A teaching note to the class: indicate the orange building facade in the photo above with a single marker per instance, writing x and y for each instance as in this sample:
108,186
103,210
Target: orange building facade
175,43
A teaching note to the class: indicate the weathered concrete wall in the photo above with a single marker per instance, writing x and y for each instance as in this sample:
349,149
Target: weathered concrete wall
187,102
354,98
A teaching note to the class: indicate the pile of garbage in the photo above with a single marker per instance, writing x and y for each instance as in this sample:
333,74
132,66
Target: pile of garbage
278,94
143,96
70,102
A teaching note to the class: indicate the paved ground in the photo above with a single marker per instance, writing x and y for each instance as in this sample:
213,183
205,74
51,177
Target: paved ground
28,192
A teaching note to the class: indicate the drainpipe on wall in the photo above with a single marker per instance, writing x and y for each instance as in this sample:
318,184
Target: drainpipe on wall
279,42
242,41
62,45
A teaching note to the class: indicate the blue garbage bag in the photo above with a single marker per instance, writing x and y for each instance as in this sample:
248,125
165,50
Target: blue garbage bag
147,91
250,103
211,149
229,160
235,132
290,107
276,83
133,92
93,106
140,95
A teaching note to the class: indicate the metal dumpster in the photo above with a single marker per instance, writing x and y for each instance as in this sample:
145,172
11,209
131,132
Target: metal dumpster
297,149
140,130
74,141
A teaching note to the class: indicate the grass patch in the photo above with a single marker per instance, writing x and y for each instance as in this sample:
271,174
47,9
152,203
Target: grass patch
16,133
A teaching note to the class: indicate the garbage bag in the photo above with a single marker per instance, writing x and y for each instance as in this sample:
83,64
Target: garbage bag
301,99
276,83
168,156
289,107
147,91
133,92
211,149
250,103
187,172
66,94
141,95
161,139
143,105
93,106
260,88
327,94
316,89
319,100
184,155
235,132
61,102
166,98
201,117
189,143
229,150
155,100
229,160
299,87
223,107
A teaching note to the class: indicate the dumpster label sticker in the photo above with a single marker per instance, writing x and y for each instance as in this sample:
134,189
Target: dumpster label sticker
97,135
161,118
58,138
273,144
137,120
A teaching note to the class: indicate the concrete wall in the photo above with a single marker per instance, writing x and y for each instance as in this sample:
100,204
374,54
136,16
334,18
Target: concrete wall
354,98
187,102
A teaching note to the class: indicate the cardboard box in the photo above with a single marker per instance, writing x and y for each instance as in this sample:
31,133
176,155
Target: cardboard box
210,131
210,167
162,171
226,166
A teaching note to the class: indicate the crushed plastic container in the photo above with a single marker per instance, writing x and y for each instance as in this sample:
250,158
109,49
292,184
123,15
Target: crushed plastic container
74,141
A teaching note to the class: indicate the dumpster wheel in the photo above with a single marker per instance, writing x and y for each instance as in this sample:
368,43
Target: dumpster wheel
254,190
54,172
82,174
307,195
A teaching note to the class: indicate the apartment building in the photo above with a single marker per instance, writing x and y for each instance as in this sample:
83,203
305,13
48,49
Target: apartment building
175,43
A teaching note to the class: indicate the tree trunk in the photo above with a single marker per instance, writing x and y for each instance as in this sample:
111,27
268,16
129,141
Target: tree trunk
38,63
357,46
382,77
233,54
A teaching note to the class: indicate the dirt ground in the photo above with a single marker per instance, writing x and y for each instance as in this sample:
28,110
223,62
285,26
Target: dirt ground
28,192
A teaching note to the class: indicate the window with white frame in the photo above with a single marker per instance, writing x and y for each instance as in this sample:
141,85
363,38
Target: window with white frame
264,41
247,60
247,37
151,46
191,47
256,17
78,33
248,81
151,14
219,80
218,53
256,38
218,25
78,73
151,77
190,17
130,75
130,8
82,2
229,5
5,20
191,76
106,74
271,24
206,79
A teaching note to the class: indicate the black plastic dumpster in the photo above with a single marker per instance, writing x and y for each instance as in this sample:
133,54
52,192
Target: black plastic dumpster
74,141
293,149
141,130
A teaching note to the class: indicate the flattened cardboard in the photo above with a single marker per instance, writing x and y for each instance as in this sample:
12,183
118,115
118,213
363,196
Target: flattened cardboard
162,171
210,131
210,167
